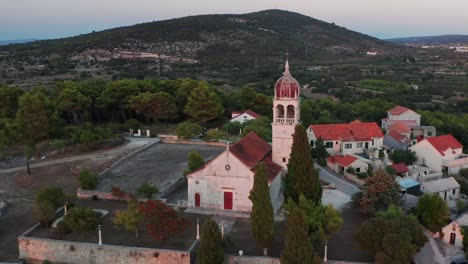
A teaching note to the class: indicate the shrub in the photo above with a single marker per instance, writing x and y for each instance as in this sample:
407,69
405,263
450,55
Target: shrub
147,190
133,124
62,229
162,221
390,170
88,180
117,192
233,128
46,202
350,170
215,134
195,161
80,219
188,130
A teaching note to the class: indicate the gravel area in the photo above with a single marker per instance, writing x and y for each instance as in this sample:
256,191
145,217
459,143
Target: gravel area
160,164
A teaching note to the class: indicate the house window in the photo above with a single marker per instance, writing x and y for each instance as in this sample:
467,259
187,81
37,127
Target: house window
328,144
348,146
429,133
284,159
359,145
358,170
453,192
311,143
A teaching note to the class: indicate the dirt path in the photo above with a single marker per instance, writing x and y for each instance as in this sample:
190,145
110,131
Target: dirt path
106,154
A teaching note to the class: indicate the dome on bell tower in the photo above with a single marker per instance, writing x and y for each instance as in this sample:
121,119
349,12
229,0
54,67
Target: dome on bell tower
287,87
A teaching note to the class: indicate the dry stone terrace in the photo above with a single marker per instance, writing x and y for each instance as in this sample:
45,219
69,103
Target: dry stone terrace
160,164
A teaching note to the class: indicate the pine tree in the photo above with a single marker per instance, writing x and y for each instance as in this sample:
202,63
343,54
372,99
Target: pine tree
33,123
297,246
203,105
302,177
210,250
262,215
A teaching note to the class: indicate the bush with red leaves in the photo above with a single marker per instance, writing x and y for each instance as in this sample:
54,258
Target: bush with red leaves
161,221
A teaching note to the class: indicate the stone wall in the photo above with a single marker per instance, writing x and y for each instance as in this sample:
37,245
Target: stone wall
251,259
36,250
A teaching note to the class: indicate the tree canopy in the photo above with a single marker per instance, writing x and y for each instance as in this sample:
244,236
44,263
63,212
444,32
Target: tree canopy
203,105
302,177
210,250
262,215
406,156
433,212
392,236
379,192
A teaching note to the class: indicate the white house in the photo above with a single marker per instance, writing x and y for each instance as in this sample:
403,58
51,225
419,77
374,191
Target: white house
403,128
400,113
347,138
340,164
441,154
243,117
452,233
446,188
224,183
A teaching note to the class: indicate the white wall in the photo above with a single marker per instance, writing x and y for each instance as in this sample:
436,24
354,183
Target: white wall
408,115
214,179
244,117
452,228
428,155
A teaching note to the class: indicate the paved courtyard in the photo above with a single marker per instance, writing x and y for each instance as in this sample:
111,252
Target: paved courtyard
160,164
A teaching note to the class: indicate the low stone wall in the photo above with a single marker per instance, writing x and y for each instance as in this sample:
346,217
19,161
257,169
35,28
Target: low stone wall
36,250
252,259
188,142
354,179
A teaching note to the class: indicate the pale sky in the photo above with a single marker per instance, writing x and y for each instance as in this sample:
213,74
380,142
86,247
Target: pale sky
40,19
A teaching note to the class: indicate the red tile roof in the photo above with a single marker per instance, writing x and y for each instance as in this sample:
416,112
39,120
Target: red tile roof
235,114
344,161
398,110
252,150
272,168
398,136
357,121
400,167
252,113
442,143
347,132
400,127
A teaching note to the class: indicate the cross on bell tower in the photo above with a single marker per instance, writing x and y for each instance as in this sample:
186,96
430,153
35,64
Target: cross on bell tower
286,115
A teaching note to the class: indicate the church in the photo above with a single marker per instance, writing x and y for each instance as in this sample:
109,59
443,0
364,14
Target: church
224,183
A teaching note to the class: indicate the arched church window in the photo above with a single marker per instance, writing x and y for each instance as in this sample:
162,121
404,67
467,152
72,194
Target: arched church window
290,112
280,111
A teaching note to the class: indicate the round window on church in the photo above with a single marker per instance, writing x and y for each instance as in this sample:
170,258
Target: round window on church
227,167
285,95
197,182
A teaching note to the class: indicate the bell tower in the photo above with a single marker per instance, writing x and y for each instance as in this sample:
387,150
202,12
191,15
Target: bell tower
286,115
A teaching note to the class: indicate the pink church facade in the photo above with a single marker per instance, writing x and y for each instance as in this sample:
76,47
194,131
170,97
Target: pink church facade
225,182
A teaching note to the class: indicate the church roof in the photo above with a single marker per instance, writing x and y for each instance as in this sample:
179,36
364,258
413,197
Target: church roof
251,150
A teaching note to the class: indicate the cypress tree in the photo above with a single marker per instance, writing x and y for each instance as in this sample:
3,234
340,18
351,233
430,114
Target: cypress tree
297,246
302,177
262,215
211,249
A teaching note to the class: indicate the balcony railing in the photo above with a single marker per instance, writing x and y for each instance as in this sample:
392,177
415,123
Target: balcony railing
287,121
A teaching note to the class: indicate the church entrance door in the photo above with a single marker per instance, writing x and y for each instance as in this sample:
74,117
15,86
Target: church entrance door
228,200
197,200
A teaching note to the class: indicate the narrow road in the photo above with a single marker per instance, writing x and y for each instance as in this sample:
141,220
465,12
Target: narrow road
129,147
340,183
